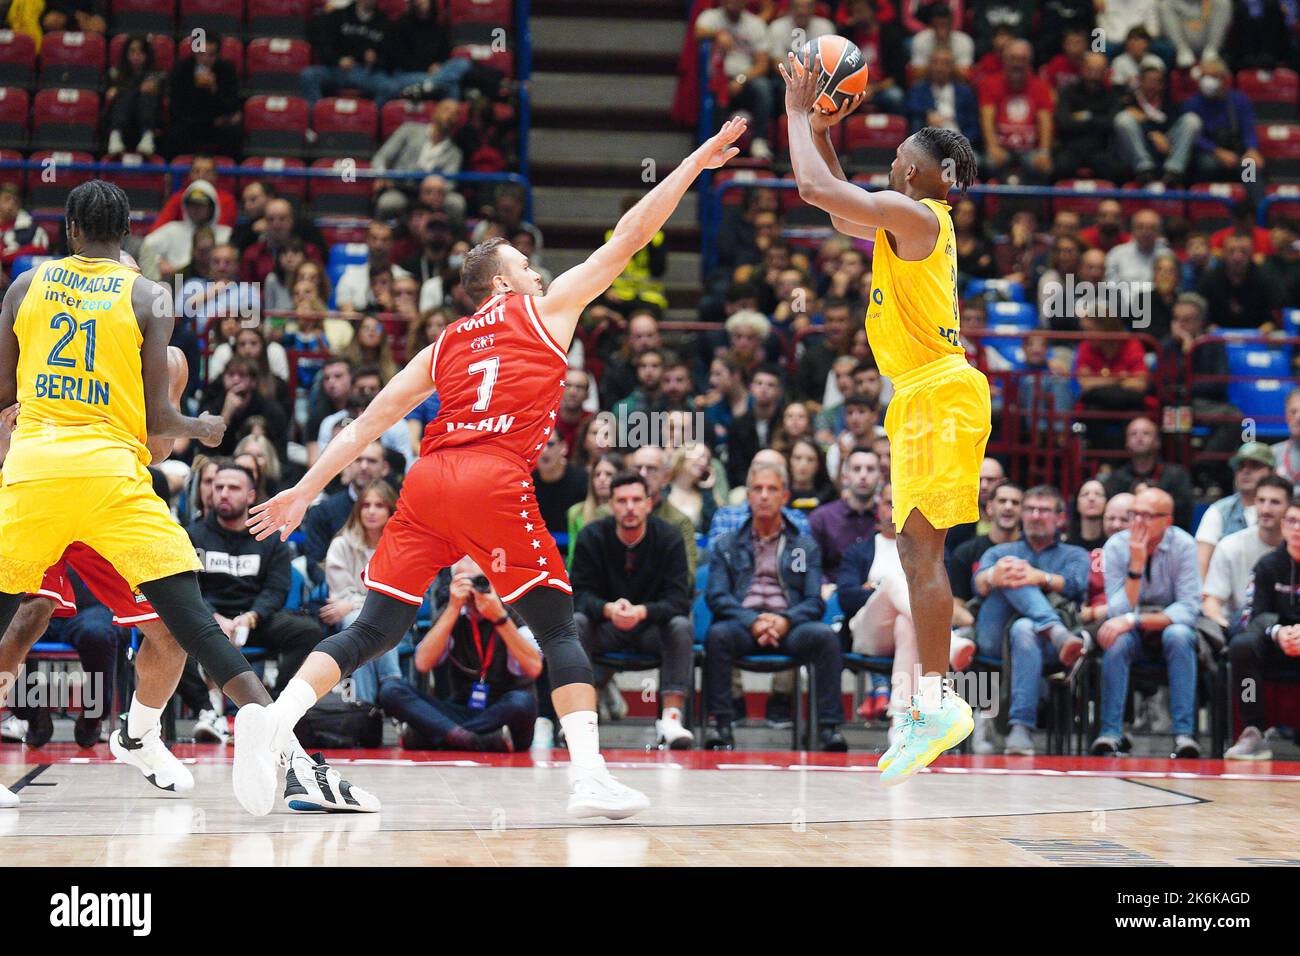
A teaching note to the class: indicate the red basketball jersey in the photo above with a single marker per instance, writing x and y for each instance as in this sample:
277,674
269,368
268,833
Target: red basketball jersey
499,376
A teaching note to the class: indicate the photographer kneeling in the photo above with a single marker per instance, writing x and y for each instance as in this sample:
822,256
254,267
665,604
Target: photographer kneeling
493,662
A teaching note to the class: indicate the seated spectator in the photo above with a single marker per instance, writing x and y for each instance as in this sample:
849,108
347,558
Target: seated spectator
1153,139
1281,266
204,108
1137,57
726,400
276,294
346,559
874,597
1270,645
1134,261
651,463
1045,381
729,517
253,202
1067,68
742,39
1236,290
884,52
1252,462
829,422
1198,29
207,299
820,352
238,397
353,292
850,518
975,252
992,474
245,581
311,329
349,43
942,99
571,415
418,147
1153,595
133,98
1087,524
166,250
762,598
367,381
559,484
1113,520
1005,506
258,260
632,592
1144,465
1016,120
270,358
620,371
202,167
419,55
493,660
326,517
86,16
810,483
1107,230
330,397
645,398
697,485
861,427
19,233
796,423
750,339
1113,377
754,429
939,37
1166,286
371,347
1226,593
599,475
1227,134
256,453
1287,453
789,33
1033,586
1084,123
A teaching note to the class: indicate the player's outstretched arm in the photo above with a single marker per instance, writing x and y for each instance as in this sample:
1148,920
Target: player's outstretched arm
818,186
572,291
153,310
407,389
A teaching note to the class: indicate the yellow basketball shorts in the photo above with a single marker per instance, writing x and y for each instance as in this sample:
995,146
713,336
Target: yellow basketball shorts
938,423
119,517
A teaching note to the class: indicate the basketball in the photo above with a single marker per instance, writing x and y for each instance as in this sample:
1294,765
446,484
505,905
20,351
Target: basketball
843,73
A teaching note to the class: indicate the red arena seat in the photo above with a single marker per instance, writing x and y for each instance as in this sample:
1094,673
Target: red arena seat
15,176
51,192
144,16
65,119
397,112
482,53
223,16
271,169
1273,93
73,59
146,188
1279,143
872,139
1287,205
1083,205
1163,207
278,18
1214,215
344,127
275,125
17,58
275,64
343,194
14,107
232,51
224,181
474,21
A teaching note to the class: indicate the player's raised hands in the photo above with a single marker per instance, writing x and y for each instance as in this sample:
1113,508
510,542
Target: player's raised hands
718,150
800,82
282,513
821,121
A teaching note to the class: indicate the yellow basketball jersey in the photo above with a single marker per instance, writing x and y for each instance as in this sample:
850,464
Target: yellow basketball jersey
79,383
912,318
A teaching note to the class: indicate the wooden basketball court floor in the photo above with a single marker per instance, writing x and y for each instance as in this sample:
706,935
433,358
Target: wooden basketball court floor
79,808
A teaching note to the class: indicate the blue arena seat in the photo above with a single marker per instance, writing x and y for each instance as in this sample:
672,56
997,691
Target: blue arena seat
23,263
995,290
1021,315
1262,398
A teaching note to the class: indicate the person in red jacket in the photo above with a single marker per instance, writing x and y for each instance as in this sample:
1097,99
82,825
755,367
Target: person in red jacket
1016,118
201,167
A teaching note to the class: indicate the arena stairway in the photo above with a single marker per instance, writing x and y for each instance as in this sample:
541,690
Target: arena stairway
603,77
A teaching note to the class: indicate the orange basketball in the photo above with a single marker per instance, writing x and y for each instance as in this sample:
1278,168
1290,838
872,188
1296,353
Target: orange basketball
843,73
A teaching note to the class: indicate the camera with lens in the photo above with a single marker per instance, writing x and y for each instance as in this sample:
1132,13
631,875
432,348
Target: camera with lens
480,583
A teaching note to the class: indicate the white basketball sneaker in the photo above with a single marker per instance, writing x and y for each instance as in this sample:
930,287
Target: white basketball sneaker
673,735
151,757
13,729
257,758
7,798
312,785
595,793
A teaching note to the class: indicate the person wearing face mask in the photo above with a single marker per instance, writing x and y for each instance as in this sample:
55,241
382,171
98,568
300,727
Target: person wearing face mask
1228,136
1153,140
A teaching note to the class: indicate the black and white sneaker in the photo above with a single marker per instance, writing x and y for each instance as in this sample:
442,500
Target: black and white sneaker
312,786
151,757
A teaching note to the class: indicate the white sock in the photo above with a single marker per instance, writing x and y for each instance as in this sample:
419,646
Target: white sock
583,738
673,713
295,700
218,700
141,719
929,691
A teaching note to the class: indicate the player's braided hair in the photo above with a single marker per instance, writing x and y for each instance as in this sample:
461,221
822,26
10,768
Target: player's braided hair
947,144
100,209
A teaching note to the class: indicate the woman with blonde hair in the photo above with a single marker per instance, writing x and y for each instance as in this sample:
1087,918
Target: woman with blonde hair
697,484
262,451
371,346
602,472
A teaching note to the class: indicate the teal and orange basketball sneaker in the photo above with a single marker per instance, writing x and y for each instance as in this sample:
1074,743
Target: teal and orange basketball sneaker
925,736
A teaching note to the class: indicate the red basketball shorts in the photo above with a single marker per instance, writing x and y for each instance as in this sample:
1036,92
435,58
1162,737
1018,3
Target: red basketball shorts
128,607
461,502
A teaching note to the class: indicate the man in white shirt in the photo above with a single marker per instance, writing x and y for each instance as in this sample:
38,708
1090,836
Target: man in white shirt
353,291
1135,260
1225,596
743,38
799,27
366,383
1252,462
941,35
1286,454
